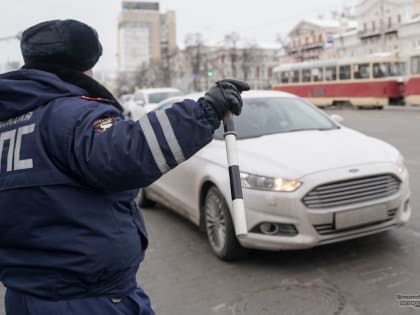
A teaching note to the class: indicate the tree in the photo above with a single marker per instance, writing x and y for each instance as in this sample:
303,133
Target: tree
231,41
249,59
194,53
167,67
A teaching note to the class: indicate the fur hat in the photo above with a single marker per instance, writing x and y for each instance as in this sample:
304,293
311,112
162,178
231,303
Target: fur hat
67,43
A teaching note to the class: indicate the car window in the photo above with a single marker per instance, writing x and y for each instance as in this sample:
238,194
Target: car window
157,97
264,116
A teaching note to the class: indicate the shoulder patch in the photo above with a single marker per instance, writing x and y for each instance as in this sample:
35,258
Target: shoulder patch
102,125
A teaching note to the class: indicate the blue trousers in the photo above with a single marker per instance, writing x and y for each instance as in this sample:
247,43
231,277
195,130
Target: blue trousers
137,303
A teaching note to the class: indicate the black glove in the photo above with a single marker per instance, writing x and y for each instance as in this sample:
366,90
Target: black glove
225,96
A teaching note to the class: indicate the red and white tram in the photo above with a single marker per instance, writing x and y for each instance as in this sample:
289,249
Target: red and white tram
370,81
412,80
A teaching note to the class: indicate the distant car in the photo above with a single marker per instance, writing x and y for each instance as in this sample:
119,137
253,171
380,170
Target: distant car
129,106
146,100
307,180
125,98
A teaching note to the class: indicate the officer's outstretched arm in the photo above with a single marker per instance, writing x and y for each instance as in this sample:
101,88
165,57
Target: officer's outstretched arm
110,153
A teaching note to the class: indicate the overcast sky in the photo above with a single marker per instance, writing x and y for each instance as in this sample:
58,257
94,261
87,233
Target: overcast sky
259,20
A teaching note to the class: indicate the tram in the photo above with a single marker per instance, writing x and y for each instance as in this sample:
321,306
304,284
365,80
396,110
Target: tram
412,79
369,81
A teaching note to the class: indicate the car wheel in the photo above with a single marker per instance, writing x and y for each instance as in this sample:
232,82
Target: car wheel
219,227
143,201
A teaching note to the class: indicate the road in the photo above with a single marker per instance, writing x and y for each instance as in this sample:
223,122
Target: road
356,277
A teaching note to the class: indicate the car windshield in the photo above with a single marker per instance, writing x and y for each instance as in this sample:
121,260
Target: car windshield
157,97
271,115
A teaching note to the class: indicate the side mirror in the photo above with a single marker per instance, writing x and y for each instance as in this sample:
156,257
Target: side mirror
337,118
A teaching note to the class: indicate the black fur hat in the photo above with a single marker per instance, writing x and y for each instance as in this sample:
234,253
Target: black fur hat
67,43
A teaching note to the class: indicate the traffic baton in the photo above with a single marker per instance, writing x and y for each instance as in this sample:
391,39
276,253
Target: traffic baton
239,218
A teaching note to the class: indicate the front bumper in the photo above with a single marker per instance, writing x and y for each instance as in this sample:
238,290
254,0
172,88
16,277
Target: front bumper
317,226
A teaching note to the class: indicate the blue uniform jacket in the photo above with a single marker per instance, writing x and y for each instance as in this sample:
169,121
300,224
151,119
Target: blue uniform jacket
69,170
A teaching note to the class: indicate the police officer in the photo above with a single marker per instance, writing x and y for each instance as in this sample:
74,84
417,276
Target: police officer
71,236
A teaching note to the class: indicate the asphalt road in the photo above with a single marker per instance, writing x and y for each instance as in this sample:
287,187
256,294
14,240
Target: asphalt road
362,276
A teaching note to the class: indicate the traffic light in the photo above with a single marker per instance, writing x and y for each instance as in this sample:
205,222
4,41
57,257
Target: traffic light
210,73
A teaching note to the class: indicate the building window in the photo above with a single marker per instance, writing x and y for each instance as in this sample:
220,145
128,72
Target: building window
373,26
399,18
389,22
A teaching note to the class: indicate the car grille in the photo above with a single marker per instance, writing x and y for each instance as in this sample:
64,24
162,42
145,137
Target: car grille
325,229
352,191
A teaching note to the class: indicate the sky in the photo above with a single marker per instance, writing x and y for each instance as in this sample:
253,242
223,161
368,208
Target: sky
259,21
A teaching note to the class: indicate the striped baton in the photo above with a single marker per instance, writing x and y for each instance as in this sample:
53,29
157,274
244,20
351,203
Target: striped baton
239,219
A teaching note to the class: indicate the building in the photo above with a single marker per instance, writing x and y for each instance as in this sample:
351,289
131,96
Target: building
144,35
310,38
379,23
374,26
198,66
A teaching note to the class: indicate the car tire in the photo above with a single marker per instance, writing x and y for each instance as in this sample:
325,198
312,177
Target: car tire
219,227
142,200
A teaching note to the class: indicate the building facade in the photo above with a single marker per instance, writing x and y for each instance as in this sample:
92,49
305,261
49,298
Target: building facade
144,35
310,38
379,23
378,26
199,66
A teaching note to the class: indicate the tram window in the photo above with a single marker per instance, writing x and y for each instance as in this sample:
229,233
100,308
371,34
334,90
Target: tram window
361,71
398,68
381,70
295,76
345,72
317,74
415,65
285,77
306,75
331,73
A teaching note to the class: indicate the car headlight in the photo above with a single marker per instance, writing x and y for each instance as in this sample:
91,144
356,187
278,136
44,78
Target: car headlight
269,183
400,164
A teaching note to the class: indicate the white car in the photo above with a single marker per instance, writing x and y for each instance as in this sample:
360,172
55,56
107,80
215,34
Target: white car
130,106
307,180
146,100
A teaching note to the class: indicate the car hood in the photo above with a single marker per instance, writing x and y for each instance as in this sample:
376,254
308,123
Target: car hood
296,154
